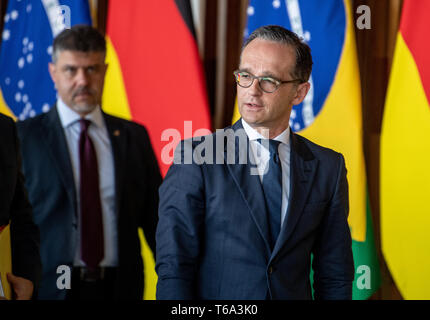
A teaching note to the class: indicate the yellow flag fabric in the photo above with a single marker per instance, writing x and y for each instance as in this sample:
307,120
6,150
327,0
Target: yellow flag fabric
4,108
339,127
5,261
405,154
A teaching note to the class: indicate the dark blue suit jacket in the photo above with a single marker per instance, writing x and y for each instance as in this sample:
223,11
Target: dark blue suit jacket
212,235
51,188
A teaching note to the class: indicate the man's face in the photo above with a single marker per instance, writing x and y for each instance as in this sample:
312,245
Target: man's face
264,110
79,79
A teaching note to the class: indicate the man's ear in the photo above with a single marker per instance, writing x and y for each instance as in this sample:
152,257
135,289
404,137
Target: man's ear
52,70
302,91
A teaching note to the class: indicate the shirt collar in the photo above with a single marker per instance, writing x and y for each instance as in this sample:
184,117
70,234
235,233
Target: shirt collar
253,134
69,116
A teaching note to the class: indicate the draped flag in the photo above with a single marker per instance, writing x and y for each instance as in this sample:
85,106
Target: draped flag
330,115
26,89
155,78
405,154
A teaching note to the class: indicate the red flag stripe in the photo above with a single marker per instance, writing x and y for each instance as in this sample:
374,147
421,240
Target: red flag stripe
414,27
161,66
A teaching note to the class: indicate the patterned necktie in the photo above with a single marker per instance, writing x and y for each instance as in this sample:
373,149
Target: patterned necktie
92,246
272,187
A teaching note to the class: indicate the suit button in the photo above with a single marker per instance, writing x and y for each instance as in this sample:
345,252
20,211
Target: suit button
270,270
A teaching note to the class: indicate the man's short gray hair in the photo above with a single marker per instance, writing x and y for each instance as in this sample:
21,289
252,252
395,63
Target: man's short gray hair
78,38
279,34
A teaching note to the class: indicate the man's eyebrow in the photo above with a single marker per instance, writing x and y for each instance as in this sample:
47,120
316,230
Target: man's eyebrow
244,70
78,66
270,75
267,74
69,66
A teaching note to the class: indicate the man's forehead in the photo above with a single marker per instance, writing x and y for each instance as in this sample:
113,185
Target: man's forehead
69,56
269,48
266,56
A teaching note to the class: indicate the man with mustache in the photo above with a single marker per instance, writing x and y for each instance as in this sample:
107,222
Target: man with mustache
92,179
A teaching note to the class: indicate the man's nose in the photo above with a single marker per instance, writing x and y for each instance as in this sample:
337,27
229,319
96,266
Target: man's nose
81,77
255,89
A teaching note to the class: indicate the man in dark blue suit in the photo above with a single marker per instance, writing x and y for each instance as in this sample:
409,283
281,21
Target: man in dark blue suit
242,221
92,180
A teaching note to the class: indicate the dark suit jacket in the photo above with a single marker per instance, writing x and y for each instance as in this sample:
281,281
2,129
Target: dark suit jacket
14,206
212,235
49,180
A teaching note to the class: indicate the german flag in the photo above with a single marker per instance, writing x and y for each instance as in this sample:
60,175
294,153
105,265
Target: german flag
405,155
155,77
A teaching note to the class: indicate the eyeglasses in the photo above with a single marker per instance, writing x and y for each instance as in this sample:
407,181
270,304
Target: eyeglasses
267,84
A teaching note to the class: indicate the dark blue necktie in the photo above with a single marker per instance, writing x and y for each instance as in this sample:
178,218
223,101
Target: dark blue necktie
272,187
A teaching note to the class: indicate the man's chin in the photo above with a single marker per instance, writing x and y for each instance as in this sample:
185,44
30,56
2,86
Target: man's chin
84,108
252,119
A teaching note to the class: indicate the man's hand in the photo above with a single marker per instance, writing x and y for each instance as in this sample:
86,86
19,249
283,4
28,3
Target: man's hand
22,288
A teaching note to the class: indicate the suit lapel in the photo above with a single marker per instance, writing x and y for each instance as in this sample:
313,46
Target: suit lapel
57,146
119,146
247,181
302,173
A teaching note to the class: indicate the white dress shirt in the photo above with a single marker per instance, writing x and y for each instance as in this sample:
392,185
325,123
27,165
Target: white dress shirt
100,137
261,158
